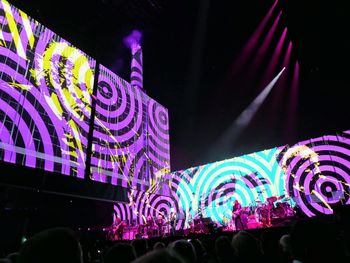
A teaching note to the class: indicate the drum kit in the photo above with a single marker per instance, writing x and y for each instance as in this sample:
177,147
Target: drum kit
152,228
200,225
262,214
145,230
259,214
274,207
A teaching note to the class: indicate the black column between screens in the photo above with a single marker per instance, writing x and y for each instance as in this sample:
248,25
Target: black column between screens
92,124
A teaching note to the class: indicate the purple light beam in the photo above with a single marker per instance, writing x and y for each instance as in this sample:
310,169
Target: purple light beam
252,42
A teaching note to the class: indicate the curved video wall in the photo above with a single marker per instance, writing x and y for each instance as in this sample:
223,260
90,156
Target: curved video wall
312,176
45,96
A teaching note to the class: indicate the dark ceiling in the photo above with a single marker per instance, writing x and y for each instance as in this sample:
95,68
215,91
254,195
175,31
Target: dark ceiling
186,61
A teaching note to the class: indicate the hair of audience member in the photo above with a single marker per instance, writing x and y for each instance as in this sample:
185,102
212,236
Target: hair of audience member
285,249
121,253
160,256
284,243
199,249
269,241
185,249
140,246
12,257
246,246
158,245
52,245
223,249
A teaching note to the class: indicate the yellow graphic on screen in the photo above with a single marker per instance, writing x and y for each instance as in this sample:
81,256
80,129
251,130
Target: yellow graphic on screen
13,27
67,74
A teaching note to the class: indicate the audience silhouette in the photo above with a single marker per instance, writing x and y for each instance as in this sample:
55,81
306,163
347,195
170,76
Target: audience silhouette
307,241
55,245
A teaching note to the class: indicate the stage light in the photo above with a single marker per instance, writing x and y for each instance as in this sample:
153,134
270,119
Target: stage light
247,115
226,141
262,50
24,239
251,44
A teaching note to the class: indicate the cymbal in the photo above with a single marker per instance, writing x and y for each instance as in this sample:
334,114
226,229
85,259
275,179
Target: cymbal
271,199
257,201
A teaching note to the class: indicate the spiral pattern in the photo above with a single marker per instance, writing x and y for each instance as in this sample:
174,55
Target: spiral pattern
141,204
126,144
136,75
46,88
317,173
158,135
45,91
45,109
213,187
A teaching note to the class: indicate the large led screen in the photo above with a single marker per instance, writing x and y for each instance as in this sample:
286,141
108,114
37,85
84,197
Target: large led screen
45,96
142,204
311,176
130,138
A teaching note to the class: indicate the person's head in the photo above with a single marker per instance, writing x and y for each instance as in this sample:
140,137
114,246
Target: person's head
160,256
223,249
52,245
140,246
121,253
284,248
246,246
314,241
199,249
284,243
185,249
12,257
158,245
269,242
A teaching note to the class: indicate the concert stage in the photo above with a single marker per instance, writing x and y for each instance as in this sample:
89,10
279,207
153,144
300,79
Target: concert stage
83,148
202,227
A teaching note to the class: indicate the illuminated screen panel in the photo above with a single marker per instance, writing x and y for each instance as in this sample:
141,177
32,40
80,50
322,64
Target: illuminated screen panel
317,173
45,96
313,175
158,150
130,138
141,204
211,189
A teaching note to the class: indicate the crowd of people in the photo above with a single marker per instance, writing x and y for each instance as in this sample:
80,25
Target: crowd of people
307,241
